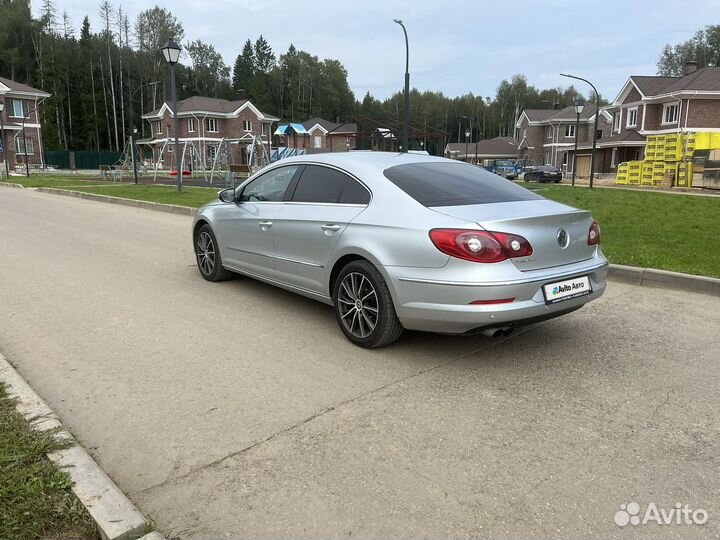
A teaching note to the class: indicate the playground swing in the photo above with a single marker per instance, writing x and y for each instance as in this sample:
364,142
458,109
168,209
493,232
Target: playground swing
188,168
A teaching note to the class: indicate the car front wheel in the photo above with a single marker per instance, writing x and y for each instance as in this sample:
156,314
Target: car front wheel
363,306
207,256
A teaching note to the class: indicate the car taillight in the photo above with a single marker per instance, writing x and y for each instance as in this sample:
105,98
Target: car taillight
594,234
480,246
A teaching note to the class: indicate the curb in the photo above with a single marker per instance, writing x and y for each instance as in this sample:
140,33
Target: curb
651,277
11,185
115,516
170,208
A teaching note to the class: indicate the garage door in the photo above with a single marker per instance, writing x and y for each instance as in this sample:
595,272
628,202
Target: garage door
583,166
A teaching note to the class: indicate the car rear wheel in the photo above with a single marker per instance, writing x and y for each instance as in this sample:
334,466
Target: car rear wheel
207,256
363,306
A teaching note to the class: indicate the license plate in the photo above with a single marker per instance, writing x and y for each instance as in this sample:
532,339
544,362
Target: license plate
565,290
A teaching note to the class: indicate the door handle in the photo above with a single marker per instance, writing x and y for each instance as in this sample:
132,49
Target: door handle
265,225
330,227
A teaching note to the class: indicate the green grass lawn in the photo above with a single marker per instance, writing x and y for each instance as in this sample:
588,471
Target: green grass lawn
53,181
651,230
190,196
36,499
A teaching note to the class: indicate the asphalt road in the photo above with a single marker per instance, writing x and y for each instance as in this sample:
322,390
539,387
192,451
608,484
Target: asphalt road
237,410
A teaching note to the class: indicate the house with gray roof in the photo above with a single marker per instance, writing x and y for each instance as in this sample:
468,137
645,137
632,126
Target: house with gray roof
206,123
547,136
650,105
476,152
20,108
327,136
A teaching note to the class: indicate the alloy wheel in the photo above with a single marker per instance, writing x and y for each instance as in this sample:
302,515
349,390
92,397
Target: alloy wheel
358,305
205,253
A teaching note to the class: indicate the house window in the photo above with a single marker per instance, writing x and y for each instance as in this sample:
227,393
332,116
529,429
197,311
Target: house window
599,134
548,132
547,157
524,133
158,127
18,108
263,129
247,125
211,125
318,141
20,146
570,130
616,121
670,113
191,125
632,118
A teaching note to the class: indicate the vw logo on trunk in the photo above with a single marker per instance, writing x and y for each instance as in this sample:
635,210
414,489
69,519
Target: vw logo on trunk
563,238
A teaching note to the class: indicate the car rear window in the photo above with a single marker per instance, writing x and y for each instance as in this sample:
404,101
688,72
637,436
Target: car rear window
455,184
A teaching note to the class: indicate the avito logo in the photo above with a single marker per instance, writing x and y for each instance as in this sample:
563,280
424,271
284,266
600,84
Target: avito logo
630,514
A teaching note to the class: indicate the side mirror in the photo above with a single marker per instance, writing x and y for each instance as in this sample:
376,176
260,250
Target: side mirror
227,195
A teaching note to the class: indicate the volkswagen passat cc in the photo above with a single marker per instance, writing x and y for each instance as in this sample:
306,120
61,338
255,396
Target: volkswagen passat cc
397,241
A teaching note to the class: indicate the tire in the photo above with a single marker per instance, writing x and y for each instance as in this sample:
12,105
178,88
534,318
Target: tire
557,181
359,291
207,255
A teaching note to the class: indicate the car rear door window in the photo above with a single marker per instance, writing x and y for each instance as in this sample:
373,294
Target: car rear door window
455,184
320,185
354,193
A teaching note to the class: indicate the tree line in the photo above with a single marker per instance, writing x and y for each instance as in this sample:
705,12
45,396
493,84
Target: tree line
101,79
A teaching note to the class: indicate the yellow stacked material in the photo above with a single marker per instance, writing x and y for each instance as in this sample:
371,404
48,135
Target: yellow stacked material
673,150
646,177
660,147
702,140
622,174
670,174
634,172
658,172
684,174
688,144
714,140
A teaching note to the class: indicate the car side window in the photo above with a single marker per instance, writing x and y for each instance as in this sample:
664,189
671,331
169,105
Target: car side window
320,185
270,187
354,193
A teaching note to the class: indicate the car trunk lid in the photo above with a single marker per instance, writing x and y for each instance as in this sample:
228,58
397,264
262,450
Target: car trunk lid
540,222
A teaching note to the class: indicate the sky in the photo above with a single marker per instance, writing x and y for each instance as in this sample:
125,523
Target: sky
456,47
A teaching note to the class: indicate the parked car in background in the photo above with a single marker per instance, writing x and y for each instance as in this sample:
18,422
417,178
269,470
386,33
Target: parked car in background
404,241
506,168
544,173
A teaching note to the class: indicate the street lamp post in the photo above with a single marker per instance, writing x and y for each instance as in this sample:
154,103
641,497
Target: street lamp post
132,153
171,52
467,140
2,140
578,111
595,130
406,123
133,133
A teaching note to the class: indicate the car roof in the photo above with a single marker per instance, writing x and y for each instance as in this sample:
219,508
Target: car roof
365,164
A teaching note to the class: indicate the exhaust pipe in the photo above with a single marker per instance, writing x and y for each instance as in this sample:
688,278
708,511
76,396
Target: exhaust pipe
497,331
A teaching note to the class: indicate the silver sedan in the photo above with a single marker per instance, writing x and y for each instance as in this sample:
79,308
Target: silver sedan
396,241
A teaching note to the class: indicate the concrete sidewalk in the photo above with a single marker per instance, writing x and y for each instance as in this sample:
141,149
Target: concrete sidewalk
237,410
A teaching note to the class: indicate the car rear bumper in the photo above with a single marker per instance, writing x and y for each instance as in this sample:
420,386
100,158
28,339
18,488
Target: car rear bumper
427,304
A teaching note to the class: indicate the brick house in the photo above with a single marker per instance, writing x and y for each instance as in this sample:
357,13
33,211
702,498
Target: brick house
476,152
653,105
21,102
326,136
547,136
205,124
